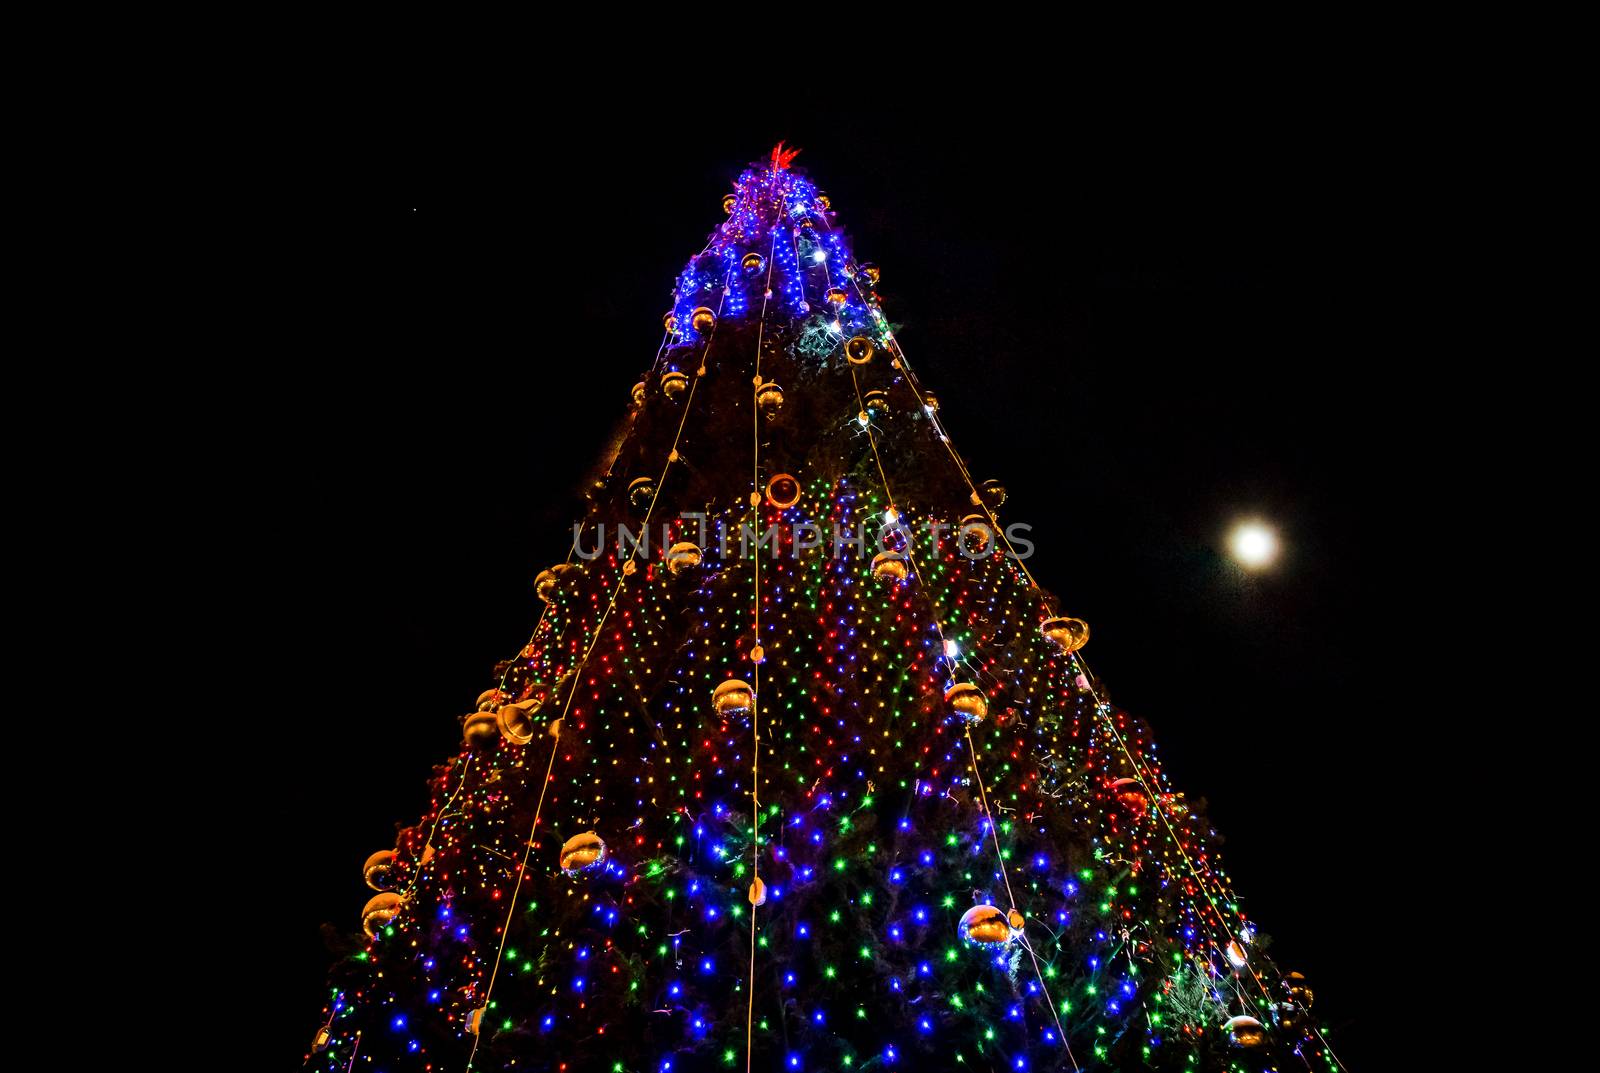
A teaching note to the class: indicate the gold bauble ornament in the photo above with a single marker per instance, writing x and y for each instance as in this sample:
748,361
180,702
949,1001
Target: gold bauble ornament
379,911
732,697
554,729
481,729
729,203
703,319
581,852
752,263
769,399
823,203
475,1019
967,701
876,402
1236,956
673,384
974,534
379,870
930,402
1245,1033
1067,634
993,492
758,892
871,271
669,321
641,492
320,1042
489,700
859,350
985,925
758,654
544,587
683,556
639,393
783,491
836,297
1016,920
1299,990
889,566
1131,794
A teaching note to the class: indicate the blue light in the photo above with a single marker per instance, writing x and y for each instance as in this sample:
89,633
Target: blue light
804,931
706,966
398,1023
926,1025
896,876
547,1022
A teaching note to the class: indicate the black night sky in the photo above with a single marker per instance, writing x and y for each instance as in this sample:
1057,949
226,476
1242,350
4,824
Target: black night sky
1146,327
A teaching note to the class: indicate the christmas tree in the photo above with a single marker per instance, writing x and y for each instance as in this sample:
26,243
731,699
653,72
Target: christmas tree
801,768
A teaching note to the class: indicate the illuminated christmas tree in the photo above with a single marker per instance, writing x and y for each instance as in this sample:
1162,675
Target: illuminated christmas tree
801,768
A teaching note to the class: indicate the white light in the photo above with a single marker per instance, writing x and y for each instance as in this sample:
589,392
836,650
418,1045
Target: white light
1254,544
950,650
836,328
820,256
891,517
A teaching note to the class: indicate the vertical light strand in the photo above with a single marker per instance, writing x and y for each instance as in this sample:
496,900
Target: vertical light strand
755,684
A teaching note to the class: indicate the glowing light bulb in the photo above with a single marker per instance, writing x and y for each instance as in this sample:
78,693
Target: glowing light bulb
1254,544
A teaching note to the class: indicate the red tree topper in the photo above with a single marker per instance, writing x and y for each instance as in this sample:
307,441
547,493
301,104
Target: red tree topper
781,157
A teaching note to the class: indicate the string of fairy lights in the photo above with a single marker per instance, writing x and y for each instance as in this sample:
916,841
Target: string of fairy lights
757,895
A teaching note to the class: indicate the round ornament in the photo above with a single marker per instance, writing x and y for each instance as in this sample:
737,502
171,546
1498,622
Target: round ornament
379,911
581,852
481,730
967,701
984,925
889,566
378,871
1067,634
858,350
783,491
732,697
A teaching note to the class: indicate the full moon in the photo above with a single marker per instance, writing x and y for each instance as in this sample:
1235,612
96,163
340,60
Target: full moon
1254,545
